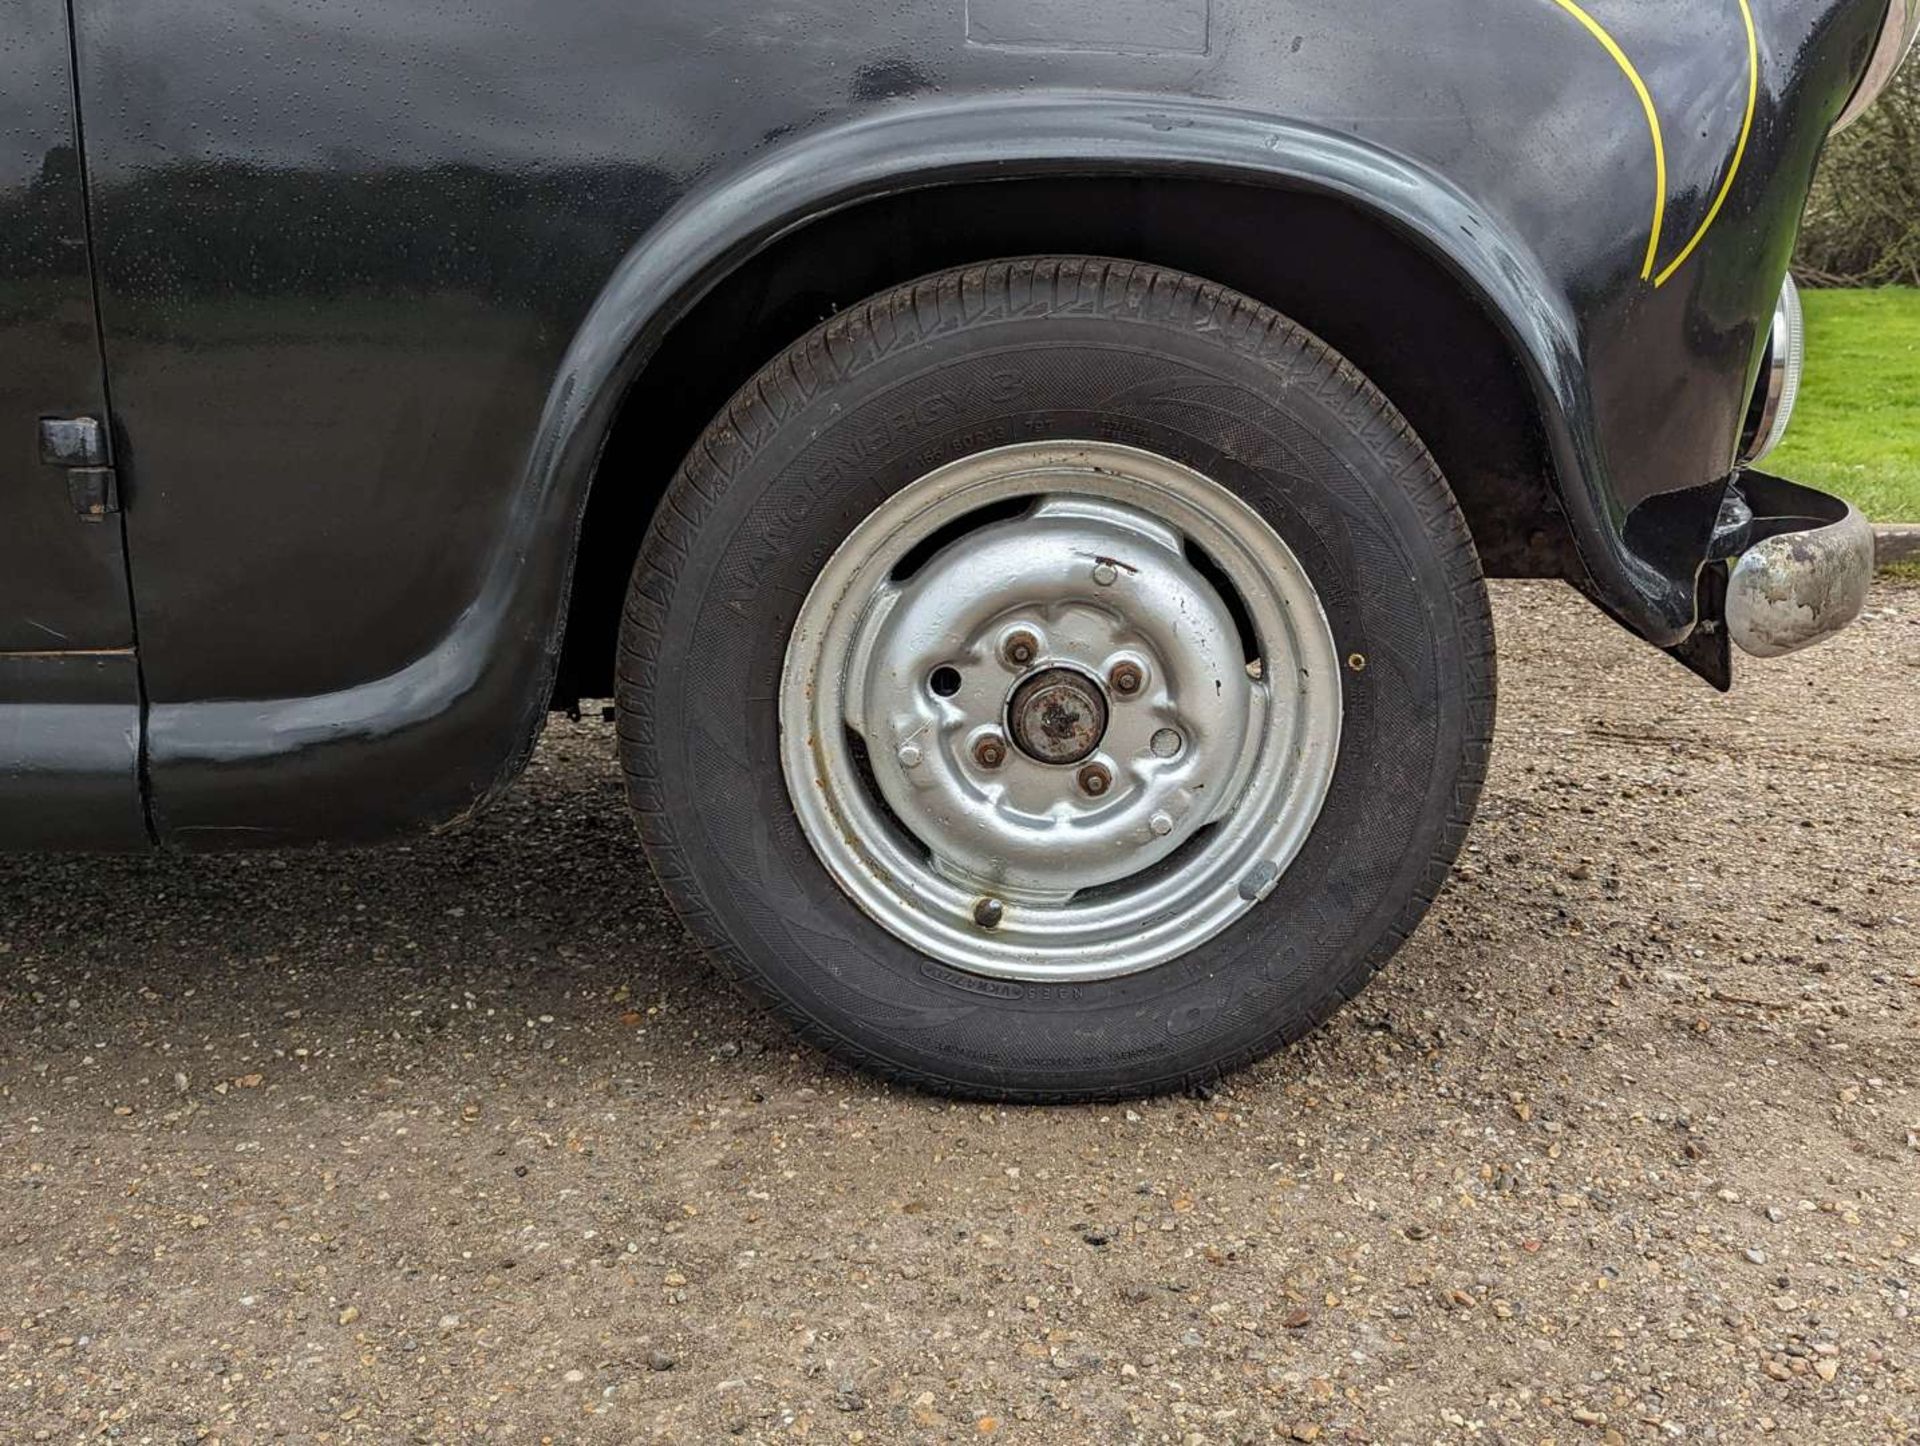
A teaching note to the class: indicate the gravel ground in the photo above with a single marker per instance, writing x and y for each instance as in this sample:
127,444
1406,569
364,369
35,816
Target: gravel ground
463,1142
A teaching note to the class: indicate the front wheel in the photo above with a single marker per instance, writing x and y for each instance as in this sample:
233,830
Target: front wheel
1055,679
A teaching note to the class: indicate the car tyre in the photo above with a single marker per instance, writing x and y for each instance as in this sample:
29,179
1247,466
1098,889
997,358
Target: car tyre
1269,482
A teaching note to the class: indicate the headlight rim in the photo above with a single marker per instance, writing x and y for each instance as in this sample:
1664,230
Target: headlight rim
1778,389
1897,35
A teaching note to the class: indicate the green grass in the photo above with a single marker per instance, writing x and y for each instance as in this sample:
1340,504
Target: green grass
1856,431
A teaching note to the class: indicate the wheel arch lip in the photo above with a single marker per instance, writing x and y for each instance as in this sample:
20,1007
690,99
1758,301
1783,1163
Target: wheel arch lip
453,728
723,224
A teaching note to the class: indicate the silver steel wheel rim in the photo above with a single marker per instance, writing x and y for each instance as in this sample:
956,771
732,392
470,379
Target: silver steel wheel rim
1018,865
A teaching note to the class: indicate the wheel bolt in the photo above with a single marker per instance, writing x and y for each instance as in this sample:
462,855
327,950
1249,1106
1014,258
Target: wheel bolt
1095,780
1020,648
988,913
1104,573
909,755
1125,679
1161,824
1166,742
989,752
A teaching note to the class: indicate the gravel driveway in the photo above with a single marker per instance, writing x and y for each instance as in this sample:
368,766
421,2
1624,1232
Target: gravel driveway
463,1142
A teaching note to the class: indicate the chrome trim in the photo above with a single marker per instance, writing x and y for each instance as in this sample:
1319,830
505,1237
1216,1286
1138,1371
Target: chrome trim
1896,39
1785,367
1804,582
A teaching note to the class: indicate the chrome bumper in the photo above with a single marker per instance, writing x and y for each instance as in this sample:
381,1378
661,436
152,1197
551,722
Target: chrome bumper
1804,572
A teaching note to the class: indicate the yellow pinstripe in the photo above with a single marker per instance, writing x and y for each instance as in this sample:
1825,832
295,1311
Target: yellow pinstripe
1739,151
1599,33
1612,47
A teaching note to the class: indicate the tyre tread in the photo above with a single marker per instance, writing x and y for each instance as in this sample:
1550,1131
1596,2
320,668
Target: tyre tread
975,295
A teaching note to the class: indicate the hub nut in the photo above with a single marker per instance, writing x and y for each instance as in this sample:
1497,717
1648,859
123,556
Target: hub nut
989,752
1125,679
1095,780
1020,649
1058,716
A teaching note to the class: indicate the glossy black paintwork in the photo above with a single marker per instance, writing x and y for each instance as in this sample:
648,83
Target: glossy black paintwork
70,750
61,586
375,278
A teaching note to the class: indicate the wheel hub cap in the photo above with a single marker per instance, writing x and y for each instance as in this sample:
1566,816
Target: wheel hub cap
1058,716
1089,586
1045,752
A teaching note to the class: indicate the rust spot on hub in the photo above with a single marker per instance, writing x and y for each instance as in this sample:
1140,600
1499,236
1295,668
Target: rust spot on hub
1058,716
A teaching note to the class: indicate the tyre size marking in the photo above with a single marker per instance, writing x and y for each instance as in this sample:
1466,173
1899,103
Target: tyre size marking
971,983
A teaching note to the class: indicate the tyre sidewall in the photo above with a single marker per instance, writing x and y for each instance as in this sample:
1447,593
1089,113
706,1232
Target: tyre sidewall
1297,437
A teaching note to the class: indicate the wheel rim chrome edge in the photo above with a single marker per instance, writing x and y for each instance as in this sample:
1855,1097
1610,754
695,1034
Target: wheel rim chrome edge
1150,872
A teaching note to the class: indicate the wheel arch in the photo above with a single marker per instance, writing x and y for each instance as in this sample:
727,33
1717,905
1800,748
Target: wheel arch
739,271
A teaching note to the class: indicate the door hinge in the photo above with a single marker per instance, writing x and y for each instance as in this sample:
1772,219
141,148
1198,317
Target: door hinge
79,444
93,492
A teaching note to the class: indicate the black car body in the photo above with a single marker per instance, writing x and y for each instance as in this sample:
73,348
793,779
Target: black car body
375,291
394,321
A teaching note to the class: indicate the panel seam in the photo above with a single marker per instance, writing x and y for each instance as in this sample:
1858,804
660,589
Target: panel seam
142,771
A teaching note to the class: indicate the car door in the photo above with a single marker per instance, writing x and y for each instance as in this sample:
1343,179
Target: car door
63,585
341,253
69,687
